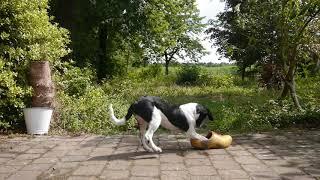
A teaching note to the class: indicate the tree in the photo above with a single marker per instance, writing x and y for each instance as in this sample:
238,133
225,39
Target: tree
277,29
102,32
172,30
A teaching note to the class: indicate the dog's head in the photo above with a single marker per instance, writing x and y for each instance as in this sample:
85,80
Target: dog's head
204,113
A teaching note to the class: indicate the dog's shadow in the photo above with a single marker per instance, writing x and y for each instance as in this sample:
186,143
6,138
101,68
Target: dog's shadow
136,155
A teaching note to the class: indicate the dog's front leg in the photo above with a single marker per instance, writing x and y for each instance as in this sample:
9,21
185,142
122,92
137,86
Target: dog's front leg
194,135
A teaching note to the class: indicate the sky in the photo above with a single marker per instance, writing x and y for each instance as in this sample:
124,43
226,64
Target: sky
209,9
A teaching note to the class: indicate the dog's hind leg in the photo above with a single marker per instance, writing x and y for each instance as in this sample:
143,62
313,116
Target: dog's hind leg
153,126
142,131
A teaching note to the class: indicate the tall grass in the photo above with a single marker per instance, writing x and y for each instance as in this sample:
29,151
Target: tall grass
238,106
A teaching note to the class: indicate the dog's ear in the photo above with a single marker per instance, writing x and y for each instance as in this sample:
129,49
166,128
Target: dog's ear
210,117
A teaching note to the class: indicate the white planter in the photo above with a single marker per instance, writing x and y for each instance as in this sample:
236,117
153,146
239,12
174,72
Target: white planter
37,119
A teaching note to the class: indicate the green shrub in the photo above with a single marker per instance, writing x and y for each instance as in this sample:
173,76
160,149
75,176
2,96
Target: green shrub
151,71
74,81
13,99
26,34
188,75
89,112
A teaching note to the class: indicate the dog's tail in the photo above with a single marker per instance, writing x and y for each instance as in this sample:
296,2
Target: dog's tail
122,120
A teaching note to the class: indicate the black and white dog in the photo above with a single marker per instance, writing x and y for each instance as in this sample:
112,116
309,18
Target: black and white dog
151,112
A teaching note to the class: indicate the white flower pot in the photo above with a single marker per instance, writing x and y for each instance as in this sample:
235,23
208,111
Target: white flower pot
37,119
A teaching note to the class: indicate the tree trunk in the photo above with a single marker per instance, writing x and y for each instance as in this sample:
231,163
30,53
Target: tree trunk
43,88
243,73
167,62
292,87
290,84
167,67
101,64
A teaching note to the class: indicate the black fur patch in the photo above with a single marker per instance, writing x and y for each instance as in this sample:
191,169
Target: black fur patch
144,108
203,113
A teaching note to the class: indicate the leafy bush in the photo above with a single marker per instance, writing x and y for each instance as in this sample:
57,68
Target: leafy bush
75,81
89,112
26,34
151,71
12,97
188,75
217,81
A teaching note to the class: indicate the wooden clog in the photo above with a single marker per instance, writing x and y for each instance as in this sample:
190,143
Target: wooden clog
215,141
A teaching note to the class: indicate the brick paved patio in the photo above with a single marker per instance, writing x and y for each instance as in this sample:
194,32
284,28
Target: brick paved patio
282,155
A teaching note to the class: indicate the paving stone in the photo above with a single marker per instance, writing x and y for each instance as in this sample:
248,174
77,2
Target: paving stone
153,162
25,175
200,162
247,160
268,175
4,176
226,165
143,178
172,167
89,170
4,160
45,160
205,177
18,162
7,155
233,174
115,174
202,170
287,170
174,175
171,158
221,158
240,153
27,156
61,165
297,177
145,171
119,164
275,155
37,167
55,153
195,154
315,172
74,158
80,152
256,168
82,178
37,151
9,169
216,151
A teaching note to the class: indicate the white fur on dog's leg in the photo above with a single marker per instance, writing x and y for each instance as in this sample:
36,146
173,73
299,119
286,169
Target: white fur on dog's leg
142,128
153,126
194,135
145,145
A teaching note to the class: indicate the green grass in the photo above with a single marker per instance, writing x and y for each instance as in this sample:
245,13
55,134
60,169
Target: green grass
238,106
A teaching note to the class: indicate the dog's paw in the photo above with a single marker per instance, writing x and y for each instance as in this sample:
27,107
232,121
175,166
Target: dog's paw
157,149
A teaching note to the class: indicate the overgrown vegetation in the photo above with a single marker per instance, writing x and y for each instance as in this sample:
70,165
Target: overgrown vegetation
26,34
120,47
237,106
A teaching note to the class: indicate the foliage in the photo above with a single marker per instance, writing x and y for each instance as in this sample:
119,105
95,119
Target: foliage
188,75
26,34
74,81
269,33
12,98
151,71
173,29
122,32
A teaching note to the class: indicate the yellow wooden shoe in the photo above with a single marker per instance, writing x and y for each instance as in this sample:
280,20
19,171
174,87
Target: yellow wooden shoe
215,141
